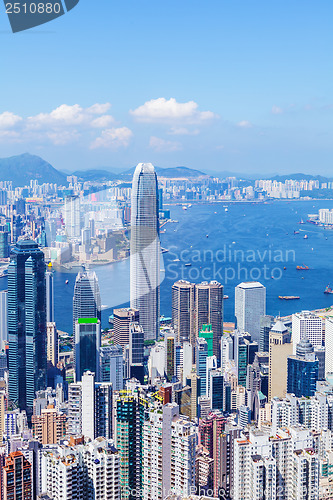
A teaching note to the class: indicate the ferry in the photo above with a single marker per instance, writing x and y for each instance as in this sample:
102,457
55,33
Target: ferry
188,264
66,282
289,297
328,289
305,236
225,297
302,268
184,207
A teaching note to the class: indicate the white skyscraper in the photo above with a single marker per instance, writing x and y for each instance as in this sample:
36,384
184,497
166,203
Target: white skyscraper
250,305
145,249
72,216
307,325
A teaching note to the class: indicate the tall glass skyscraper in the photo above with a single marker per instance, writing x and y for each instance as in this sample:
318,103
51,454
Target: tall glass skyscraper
26,323
145,249
87,298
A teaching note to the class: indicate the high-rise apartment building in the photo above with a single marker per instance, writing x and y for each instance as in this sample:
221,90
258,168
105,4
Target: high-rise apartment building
87,297
168,456
87,346
307,325
201,354
90,408
79,471
50,426
26,323
250,306
145,249
17,477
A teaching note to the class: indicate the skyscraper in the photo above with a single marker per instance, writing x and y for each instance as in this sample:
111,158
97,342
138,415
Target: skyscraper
183,311
122,318
17,477
87,298
3,317
136,351
26,323
307,325
250,305
87,346
72,216
145,249
49,297
209,310
280,347
302,374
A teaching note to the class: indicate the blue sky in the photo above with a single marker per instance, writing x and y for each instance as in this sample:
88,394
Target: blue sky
217,85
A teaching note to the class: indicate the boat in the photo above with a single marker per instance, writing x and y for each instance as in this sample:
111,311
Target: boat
188,264
207,235
296,232
176,260
301,221
284,268
66,282
289,297
305,236
302,268
226,209
225,296
184,207
328,289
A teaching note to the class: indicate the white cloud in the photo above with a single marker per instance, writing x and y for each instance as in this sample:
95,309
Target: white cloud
113,138
183,131
276,110
99,109
244,124
102,121
162,109
8,119
163,146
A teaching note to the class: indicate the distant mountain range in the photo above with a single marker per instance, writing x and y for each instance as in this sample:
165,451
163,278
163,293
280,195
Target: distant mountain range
21,169
299,177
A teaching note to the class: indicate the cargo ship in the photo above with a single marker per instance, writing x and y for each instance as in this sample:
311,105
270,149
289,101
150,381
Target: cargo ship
289,297
328,289
302,268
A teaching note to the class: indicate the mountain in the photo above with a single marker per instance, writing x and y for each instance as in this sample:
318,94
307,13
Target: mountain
22,168
300,177
171,173
95,175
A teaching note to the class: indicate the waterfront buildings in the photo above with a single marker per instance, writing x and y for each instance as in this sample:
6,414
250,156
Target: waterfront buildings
26,323
250,306
72,216
145,250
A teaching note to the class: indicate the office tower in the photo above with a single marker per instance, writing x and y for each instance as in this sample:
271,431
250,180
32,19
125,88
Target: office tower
209,310
201,354
3,318
170,357
49,297
130,416
90,408
168,454
194,382
121,324
207,333
4,246
72,216
49,427
145,250
136,351
112,366
52,349
217,390
250,306
183,303
87,298
309,325
26,323
78,471
280,347
241,357
266,323
320,352
3,408
328,346
87,346
17,477
302,370
211,364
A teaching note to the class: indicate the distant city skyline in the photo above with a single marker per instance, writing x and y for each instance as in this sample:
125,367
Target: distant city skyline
238,87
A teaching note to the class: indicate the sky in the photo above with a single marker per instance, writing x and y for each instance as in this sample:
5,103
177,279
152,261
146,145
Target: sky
220,85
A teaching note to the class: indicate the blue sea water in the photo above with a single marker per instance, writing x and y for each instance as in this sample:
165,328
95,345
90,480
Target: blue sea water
249,241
